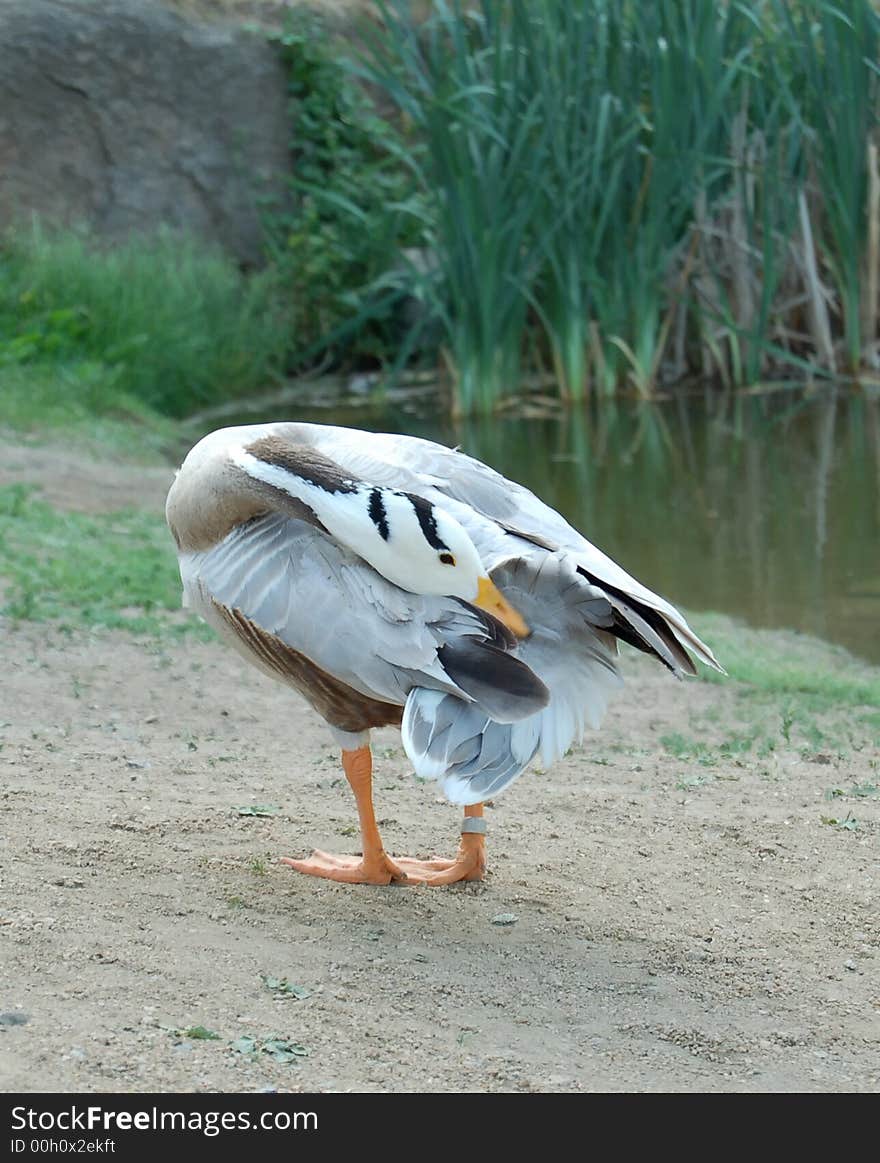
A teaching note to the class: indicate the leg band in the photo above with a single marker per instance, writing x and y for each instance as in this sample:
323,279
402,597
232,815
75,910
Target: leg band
473,824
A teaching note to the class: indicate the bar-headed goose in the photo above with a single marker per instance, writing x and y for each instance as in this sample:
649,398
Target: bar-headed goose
392,581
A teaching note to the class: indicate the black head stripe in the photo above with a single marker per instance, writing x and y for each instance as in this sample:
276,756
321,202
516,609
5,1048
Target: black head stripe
424,511
378,515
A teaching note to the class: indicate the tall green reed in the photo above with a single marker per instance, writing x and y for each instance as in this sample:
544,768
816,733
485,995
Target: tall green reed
686,63
833,89
561,147
591,131
633,193
743,267
461,83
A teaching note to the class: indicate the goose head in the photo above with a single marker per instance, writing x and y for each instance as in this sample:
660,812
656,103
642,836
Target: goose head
424,549
413,543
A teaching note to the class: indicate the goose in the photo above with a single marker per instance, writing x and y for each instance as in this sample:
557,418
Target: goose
393,581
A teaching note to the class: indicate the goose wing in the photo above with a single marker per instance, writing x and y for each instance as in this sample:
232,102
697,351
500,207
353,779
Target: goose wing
571,651
500,515
300,587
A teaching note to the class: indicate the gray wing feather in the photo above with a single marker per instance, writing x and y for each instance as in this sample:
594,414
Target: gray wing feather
471,490
474,757
298,584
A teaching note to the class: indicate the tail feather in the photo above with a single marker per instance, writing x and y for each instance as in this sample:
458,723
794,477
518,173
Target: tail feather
501,683
475,753
471,756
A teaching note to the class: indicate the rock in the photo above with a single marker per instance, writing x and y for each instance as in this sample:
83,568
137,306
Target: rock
14,1019
123,115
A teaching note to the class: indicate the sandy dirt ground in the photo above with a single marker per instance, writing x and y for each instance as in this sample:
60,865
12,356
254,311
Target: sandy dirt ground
670,927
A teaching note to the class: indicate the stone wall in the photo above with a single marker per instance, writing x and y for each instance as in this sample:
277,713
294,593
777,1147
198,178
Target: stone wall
123,115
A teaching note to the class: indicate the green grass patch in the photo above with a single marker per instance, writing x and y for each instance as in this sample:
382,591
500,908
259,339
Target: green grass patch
791,691
116,570
683,747
859,791
781,662
163,321
80,402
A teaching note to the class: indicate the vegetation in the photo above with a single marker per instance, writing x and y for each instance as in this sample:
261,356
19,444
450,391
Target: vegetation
598,196
781,663
80,401
114,571
671,189
160,324
335,246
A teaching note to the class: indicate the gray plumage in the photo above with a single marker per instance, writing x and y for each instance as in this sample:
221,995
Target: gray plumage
570,650
478,705
296,583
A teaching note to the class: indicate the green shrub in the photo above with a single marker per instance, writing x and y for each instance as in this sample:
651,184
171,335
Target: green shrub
171,323
337,244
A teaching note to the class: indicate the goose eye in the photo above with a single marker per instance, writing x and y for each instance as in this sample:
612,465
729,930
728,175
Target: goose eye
447,559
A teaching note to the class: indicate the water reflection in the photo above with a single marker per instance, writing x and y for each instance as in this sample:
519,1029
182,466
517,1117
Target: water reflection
765,507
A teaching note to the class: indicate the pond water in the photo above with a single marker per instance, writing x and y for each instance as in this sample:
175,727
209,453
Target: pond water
765,507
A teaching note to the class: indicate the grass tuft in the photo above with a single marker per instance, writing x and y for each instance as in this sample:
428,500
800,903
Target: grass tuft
782,662
160,323
116,570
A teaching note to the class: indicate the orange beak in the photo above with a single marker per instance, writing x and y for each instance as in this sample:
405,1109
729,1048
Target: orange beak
491,599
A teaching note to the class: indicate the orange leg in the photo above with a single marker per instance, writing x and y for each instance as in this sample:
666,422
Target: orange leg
375,866
469,864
